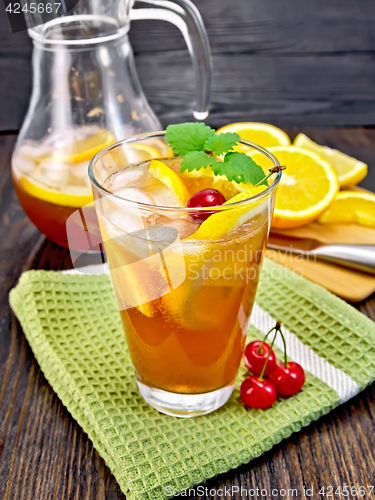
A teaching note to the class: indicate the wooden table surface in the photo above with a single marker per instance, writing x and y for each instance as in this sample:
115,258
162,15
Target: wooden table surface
45,455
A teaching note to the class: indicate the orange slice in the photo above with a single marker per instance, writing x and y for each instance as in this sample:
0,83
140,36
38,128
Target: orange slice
264,134
307,187
349,170
73,196
351,207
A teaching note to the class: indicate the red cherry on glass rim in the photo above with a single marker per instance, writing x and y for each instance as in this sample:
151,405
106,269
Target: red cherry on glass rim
289,379
258,393
255,360
205,198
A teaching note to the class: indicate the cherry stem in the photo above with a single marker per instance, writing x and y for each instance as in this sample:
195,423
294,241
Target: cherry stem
269,352
260,348
273,170
278,326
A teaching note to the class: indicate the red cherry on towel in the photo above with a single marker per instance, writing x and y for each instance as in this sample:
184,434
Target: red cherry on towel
205,198
288,378
258,393
255,357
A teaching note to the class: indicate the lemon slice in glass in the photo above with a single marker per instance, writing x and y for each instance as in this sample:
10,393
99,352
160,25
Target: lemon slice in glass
171,179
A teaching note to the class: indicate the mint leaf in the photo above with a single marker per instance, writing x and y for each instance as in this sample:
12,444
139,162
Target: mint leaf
222,143
187,137
239,167
195,160
194,141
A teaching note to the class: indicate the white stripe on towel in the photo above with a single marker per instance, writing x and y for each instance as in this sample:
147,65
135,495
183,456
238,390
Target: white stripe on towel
344,385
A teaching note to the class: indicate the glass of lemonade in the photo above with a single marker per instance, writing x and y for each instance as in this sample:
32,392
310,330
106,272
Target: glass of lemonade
185,286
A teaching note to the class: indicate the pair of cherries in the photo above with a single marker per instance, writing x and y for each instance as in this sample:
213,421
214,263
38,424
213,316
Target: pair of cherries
285,379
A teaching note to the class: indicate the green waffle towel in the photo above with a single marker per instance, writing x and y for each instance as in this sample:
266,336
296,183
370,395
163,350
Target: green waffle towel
73,326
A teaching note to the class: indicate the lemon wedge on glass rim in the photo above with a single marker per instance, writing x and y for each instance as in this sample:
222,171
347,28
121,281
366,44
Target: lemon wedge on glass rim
349,170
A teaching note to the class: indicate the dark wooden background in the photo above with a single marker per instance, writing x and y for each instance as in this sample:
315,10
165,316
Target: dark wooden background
288,62
293,63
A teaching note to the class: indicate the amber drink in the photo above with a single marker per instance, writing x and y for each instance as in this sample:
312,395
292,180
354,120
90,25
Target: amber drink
185,286
51,180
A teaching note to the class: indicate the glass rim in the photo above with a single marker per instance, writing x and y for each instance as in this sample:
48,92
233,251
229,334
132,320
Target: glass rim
39,32
180,210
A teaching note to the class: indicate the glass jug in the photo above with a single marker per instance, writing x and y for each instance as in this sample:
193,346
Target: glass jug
86,95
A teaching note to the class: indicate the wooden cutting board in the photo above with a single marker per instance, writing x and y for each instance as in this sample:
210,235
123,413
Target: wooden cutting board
353,286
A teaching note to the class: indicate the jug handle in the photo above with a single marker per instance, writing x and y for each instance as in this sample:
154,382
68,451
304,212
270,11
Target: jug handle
184,15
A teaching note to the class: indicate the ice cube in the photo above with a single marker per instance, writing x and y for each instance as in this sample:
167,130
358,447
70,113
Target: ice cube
35,150
123,222
55,174
126,179
128,231
62,139
185,228
80,170
25,165
161,237
124,216
107,165
164,197
131,194
86,181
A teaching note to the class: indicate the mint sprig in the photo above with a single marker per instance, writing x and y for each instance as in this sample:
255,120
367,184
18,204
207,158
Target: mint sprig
187,137
222,143
195,160
199,146
239,167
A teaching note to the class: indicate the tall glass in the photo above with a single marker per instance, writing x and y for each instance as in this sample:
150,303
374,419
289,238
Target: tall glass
185,302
